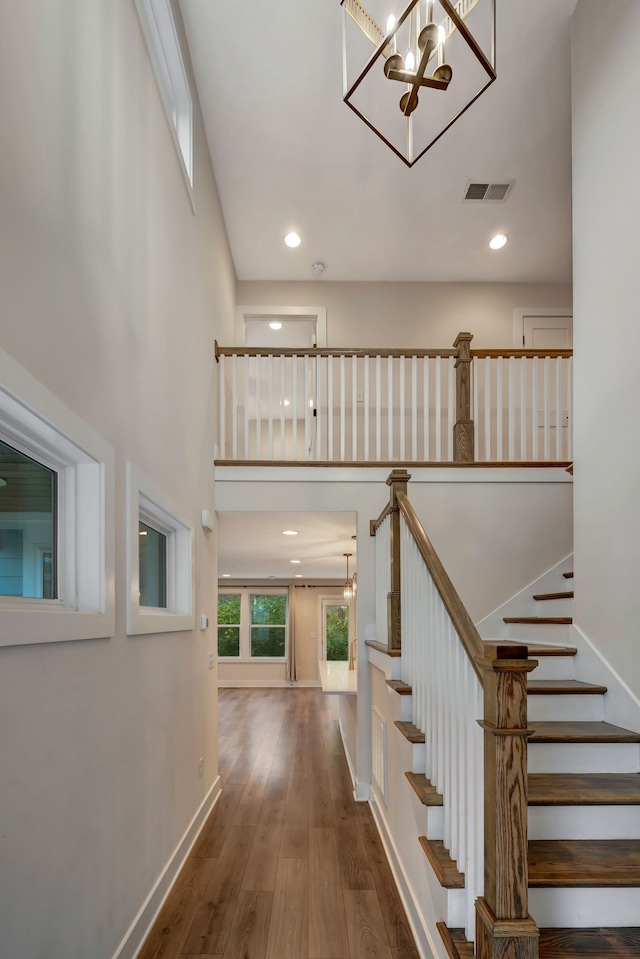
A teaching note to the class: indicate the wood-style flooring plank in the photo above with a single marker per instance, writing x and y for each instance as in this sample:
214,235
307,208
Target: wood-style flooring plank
212,920
365,925
353,857
260,872
250,926
170,930
271,812
248,811
328,937
289,928
211,840
395,919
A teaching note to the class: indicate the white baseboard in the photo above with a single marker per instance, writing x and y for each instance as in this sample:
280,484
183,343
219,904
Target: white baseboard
139,929
425,945
265,683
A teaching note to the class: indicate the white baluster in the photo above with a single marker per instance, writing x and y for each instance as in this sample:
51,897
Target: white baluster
354,408
438,408
283,373
246,406
390,416
401,416
414,408
293,406
378,408
426,453
258,359
558,410
234,396
535,373
330,455
451,407
512,409
487,409
499,404
366,409
270,404
476,407
547,419
523,408
221,406
343,402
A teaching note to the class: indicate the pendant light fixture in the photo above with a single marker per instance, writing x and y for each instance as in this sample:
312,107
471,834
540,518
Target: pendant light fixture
348,586
430,61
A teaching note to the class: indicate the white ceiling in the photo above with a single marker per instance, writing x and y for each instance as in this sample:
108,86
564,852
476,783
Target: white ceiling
252,545
289,154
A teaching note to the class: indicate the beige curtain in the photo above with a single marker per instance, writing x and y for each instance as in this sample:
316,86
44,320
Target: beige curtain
292,668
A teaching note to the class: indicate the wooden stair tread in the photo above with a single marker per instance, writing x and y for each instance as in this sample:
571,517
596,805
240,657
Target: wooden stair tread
394,653
612,943
565,687
423,789
454,942
539,620
536,650
568,575
576,732
442,863
541,597
584,862
584,789
403,689
410,732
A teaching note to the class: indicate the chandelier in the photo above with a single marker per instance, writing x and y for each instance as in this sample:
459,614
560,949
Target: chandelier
432,60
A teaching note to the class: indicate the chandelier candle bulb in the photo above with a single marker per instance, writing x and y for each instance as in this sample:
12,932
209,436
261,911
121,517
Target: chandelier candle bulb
441,38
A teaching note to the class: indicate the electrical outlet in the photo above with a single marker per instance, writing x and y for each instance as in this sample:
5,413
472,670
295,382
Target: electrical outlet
200,767
212,660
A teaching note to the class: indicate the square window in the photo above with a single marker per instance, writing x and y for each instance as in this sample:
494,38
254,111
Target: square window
152,566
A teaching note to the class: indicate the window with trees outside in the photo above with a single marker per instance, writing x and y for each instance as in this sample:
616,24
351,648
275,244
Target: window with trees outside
335,618
252,625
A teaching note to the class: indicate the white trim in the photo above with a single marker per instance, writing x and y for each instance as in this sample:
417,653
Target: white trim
378,474
264,683
163,44
426,945
139,929
316,313
143,495
520,312
37,422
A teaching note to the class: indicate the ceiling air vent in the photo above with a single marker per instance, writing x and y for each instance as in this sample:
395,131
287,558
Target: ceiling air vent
488,191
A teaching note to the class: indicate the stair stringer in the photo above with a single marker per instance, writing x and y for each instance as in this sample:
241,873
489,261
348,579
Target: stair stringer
522,603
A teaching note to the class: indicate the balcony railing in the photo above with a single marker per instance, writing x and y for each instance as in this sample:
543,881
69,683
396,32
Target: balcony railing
389,406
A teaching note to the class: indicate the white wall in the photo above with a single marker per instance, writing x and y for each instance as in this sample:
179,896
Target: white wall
112,292
606,204
418,315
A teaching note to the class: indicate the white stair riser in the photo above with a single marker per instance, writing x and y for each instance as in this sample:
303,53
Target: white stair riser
565,708
435,822
551,635
456,908
591,908
584,822
554,667
554,607
418,757
584,758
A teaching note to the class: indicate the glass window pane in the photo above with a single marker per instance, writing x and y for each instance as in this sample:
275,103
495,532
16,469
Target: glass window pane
337,632
267,640
269,610
228,609
153,567
28,523
228,640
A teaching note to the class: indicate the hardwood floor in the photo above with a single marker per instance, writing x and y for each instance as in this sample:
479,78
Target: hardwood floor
288,866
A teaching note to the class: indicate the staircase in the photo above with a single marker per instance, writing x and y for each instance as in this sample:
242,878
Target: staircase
584,803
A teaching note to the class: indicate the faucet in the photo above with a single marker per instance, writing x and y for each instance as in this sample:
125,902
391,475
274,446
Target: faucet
352,652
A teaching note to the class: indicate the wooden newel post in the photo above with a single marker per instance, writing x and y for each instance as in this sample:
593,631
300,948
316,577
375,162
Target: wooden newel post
504,928
397,482
463,429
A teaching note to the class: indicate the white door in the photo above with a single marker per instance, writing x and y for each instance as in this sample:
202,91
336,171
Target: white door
544,329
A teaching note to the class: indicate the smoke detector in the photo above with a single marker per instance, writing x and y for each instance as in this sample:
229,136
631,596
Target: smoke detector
318,268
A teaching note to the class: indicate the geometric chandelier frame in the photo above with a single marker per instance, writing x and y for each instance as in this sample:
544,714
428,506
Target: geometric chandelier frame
414,75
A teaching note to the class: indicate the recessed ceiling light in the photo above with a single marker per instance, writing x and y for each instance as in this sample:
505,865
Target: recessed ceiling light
498,241
226,575
298,576
292,239
275,325
297,561
289,532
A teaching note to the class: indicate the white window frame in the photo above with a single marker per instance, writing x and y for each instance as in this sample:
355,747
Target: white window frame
84,463
245,593
146,502
163,44
324,599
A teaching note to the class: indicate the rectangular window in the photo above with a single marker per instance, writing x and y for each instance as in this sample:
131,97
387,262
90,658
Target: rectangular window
159,560
252,626
28,518
228,624
153,567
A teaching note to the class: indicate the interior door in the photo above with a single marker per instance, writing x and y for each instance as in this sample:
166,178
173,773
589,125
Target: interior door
542,331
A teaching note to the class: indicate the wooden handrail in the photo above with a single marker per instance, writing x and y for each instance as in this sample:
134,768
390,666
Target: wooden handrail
375,524
520,354
462,622
325,351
